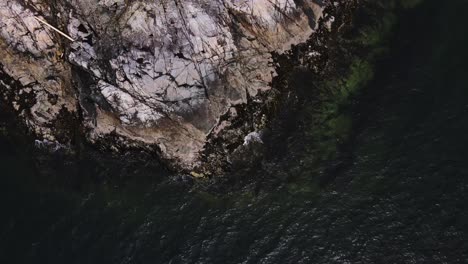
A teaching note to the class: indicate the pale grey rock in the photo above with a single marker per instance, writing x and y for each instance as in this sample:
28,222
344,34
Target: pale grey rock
153,72
30,55
253,137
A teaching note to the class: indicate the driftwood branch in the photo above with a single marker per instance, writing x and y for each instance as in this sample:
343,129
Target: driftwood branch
54,28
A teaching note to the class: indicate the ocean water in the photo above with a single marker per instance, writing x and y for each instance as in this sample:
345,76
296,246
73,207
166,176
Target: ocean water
396,194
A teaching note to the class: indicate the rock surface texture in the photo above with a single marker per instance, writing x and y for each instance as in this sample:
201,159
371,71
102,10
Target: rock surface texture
159,73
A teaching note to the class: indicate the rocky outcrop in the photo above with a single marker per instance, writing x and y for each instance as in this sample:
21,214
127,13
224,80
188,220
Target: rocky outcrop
167,74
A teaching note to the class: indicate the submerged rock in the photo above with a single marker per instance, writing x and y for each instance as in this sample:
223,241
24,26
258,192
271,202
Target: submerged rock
165,75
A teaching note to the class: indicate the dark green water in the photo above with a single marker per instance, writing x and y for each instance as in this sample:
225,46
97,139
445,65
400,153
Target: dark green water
397,194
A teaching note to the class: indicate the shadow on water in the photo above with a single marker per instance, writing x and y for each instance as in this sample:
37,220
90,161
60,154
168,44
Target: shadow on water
400,196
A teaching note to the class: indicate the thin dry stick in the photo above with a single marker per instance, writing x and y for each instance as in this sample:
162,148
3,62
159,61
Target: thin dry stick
54,28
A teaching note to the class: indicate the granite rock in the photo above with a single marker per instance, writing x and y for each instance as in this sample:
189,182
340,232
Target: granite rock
158,73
